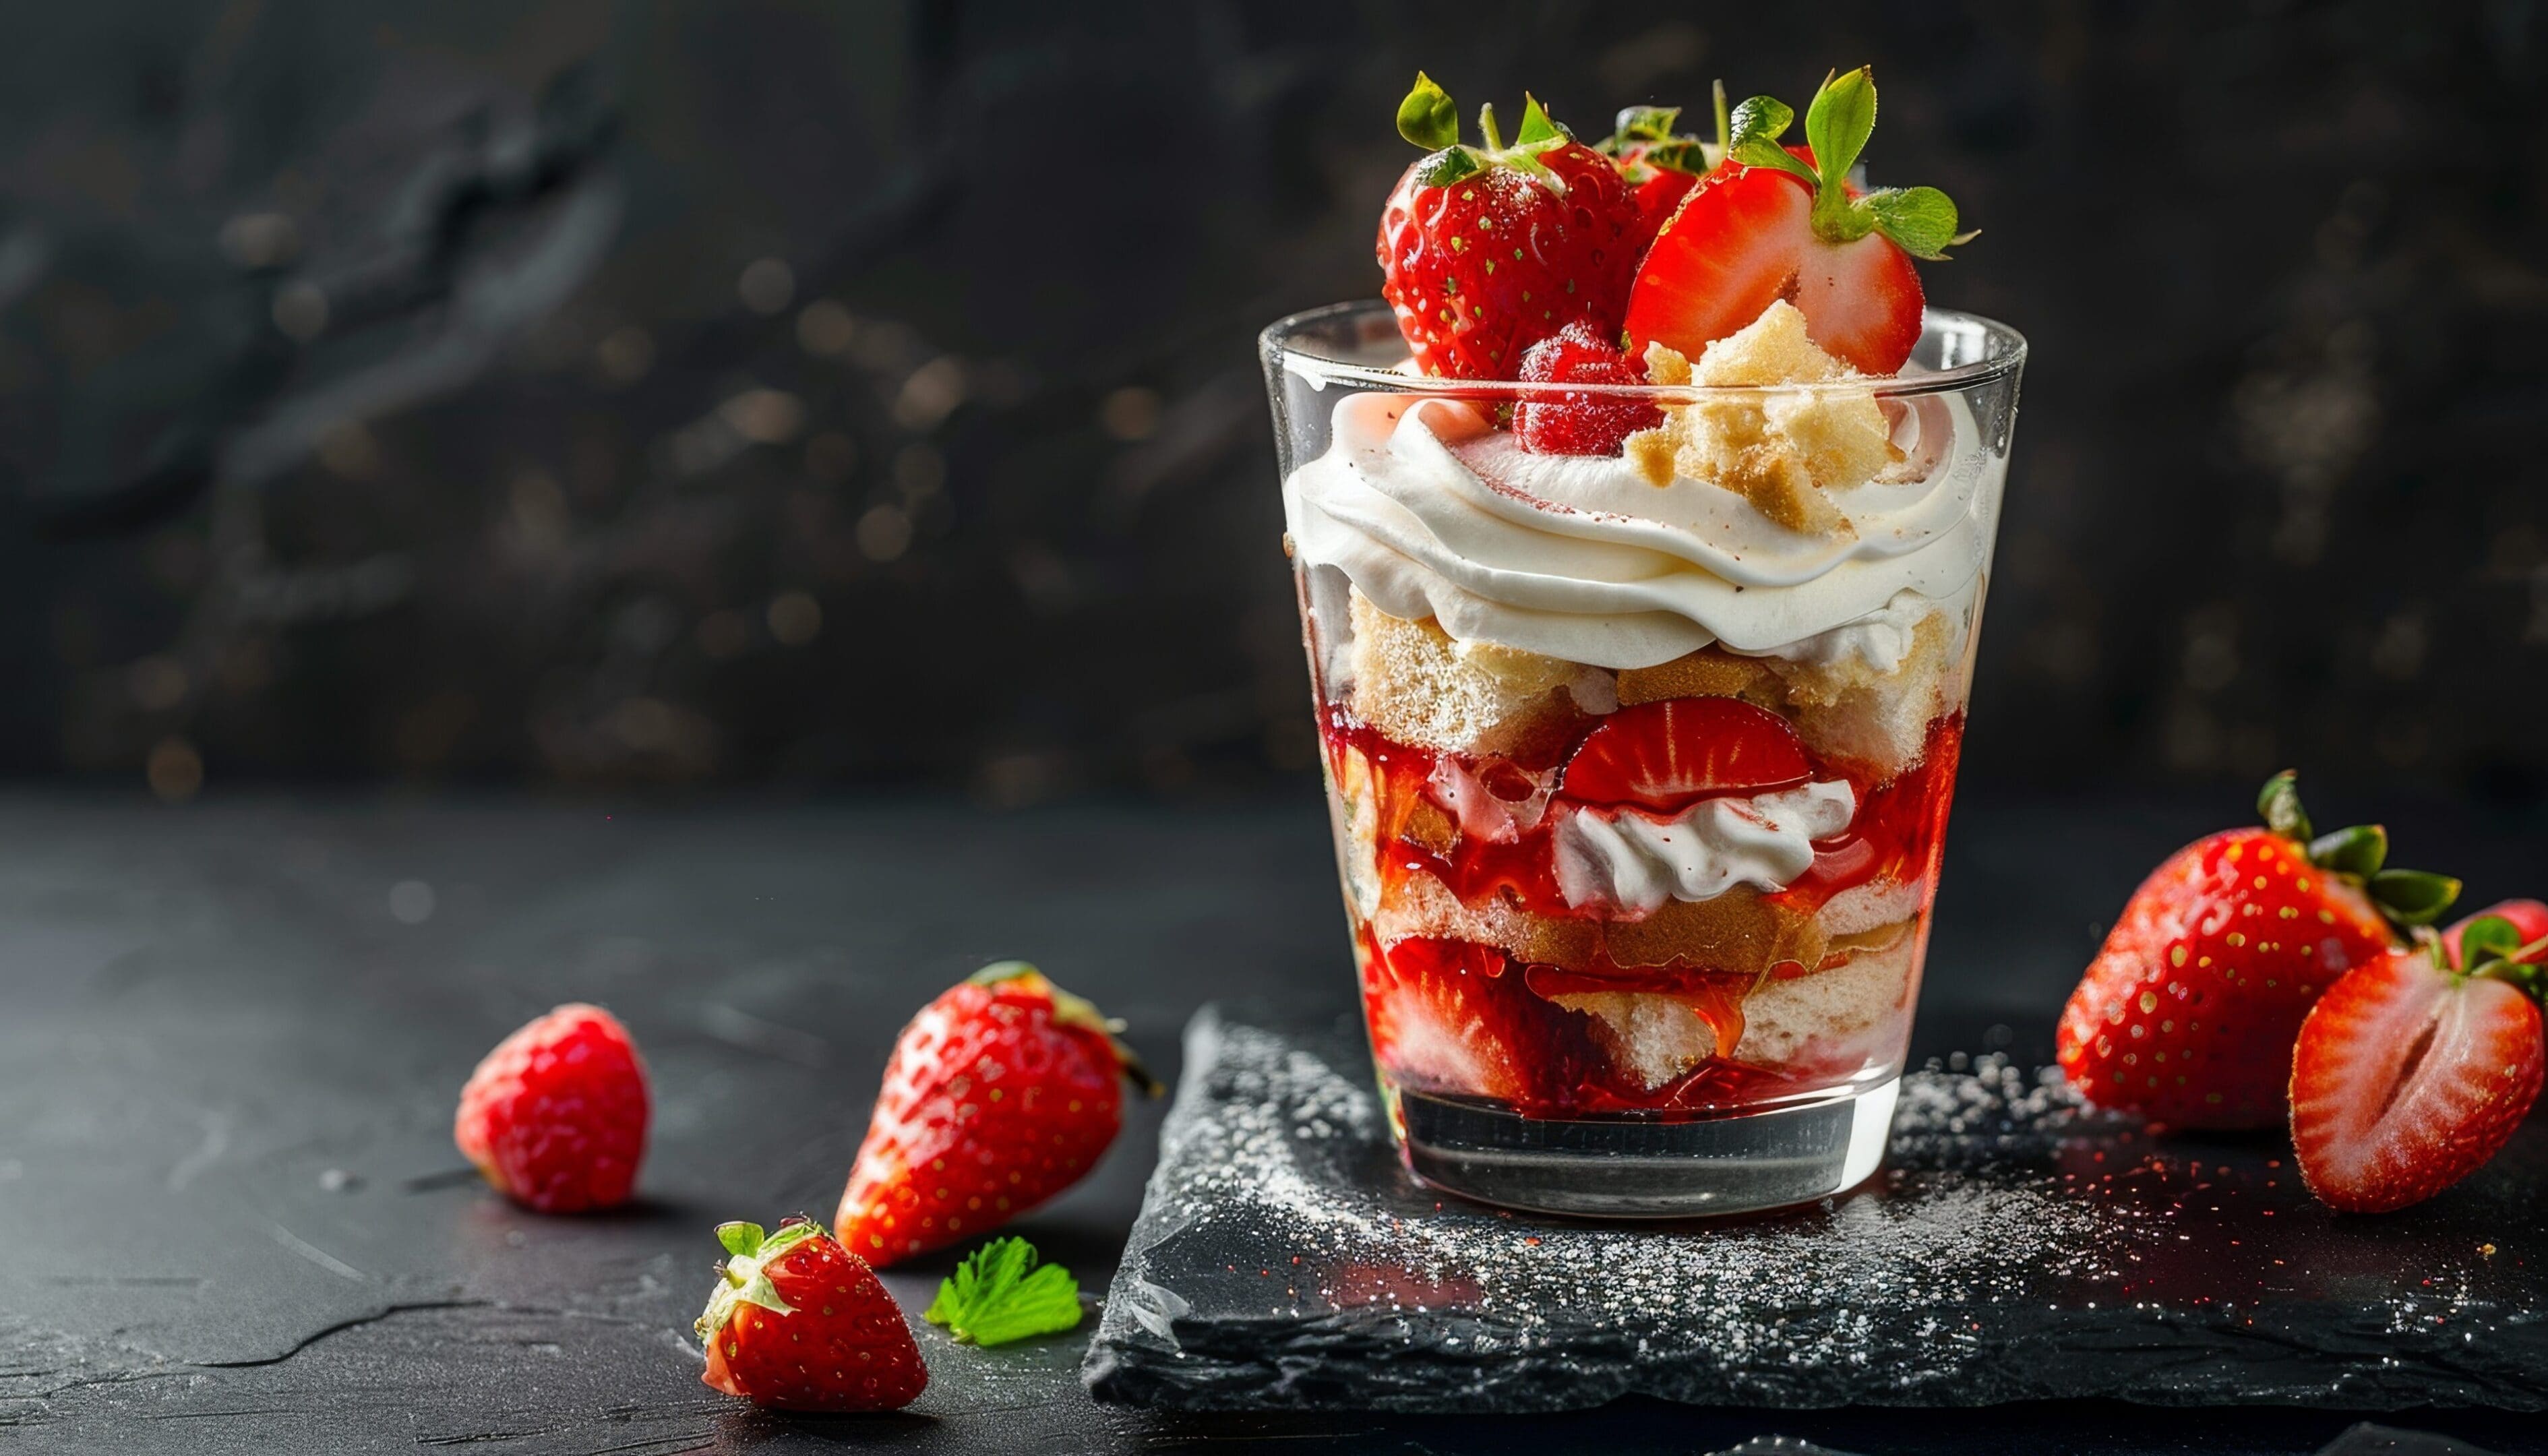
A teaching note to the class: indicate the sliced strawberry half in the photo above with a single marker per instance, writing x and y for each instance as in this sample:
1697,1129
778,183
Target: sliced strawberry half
2412,1071
1777,224
1445,1018
1667,755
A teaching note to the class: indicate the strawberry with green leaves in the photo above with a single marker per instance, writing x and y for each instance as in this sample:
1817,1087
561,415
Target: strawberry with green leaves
1779,223
2414,1070
1660,166
2189,1013
800,1323
1001,1093
1486,251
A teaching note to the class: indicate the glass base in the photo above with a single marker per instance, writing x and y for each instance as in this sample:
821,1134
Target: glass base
1630,1168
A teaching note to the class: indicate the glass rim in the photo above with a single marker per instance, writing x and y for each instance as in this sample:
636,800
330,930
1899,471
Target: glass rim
1276,343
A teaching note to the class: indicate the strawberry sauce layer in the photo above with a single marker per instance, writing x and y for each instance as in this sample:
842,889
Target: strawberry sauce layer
1464,1018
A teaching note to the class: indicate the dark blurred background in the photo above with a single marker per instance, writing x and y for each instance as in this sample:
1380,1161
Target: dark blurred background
849,394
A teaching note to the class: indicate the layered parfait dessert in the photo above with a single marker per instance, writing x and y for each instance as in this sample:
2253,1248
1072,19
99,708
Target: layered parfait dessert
1640,616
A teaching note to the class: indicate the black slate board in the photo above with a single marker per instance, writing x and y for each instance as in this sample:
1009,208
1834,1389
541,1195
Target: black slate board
2017,1247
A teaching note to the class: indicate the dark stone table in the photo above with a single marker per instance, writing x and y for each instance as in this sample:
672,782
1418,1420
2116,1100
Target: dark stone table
231,1036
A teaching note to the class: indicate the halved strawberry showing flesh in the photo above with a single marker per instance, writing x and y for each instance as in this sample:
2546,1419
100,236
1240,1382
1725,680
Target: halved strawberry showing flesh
1780,223
1667,755
1445,1017
2414,1070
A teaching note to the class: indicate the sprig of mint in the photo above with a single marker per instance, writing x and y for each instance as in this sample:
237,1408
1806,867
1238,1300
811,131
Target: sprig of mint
1004,1292
1921,221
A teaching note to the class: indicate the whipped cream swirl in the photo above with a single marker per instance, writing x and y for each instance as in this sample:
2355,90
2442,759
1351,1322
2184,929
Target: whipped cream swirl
1629,861
1430,512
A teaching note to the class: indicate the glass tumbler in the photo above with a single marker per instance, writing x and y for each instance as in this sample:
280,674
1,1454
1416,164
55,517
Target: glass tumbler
1640,708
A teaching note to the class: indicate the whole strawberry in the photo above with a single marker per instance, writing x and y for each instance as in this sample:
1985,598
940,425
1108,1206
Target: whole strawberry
1658,164
555,1116
799,1322
1579,422
2414,1070
2189,1012
1000,1094
1486,251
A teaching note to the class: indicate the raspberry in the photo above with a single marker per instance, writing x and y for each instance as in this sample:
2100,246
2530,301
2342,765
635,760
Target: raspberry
555,1117
1579,423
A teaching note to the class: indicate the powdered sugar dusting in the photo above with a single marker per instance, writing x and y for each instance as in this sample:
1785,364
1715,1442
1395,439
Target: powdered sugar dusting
1285,1258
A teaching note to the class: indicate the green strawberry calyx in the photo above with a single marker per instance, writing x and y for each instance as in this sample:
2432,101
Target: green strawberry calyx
1643,135
1005,1292
1920,221
1070,1011
743,1276
2490,948
2358,855
1429,118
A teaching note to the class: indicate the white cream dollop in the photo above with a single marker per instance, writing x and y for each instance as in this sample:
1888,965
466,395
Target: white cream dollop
1621,858
1430,514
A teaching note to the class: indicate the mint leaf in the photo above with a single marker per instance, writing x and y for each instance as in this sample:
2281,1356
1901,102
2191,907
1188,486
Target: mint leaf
1002,1293
1535,124
1427,117
2488,938
1838,124
2413,896
1920,220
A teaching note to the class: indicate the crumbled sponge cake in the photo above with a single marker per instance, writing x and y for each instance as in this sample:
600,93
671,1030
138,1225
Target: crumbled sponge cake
1829,1015
1418,684
1846,710
1867,909
1782,450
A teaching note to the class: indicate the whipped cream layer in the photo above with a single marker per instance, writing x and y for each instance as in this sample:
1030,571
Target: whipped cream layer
1624,859
1431,513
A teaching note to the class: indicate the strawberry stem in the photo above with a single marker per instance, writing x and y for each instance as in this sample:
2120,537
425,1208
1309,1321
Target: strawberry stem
1920,221
2356,854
